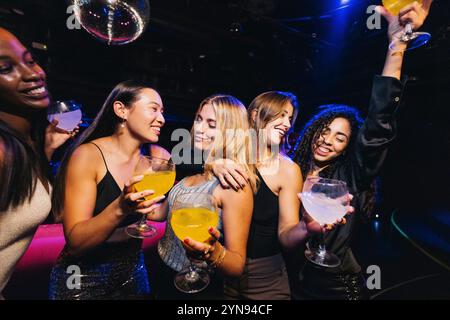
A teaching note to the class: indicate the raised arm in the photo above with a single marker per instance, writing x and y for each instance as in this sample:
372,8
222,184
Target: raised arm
379,128
414,13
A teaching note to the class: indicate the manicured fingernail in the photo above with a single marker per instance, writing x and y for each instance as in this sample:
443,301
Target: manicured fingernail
186,241
210,229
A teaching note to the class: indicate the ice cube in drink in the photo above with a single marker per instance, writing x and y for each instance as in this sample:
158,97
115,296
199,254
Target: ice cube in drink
193,223
323,209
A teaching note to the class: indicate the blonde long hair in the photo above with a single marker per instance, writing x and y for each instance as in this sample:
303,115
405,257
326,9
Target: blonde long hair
233,140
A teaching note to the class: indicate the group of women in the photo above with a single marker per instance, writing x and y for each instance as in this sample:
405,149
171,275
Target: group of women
261,220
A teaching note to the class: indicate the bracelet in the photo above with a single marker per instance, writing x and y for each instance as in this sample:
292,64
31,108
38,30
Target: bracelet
217,262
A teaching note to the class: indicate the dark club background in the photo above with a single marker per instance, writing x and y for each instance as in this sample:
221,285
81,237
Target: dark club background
320,50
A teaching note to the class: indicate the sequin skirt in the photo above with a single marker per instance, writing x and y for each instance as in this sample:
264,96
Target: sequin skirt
316,284
111,271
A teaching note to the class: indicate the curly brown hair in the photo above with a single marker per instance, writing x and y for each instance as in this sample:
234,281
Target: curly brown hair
303,149
302,153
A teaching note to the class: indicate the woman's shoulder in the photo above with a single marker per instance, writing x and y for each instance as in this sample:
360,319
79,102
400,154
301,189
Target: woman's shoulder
229,194
288,167
87,156
85,150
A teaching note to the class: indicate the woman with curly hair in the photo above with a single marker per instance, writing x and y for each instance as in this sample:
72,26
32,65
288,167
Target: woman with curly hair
338,144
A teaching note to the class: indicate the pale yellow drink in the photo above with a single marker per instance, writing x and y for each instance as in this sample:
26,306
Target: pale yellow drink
193,223
159,181
394,6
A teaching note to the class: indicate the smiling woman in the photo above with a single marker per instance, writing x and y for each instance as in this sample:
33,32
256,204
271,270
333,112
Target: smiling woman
333,141
215,115
21,77
95,197
27,141
337,144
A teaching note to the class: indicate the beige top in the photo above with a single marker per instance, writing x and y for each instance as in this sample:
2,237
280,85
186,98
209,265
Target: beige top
17,228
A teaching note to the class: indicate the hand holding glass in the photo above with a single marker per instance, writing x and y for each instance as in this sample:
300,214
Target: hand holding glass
159,176
326,201
68,114
413,39
192,216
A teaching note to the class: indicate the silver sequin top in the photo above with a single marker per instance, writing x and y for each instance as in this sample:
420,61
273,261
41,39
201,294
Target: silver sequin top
170,248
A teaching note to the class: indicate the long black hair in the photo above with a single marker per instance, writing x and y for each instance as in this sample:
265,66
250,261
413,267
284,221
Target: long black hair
104,124
22,164
303,150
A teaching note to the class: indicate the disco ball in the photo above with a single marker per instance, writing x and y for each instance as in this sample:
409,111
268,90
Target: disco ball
114,22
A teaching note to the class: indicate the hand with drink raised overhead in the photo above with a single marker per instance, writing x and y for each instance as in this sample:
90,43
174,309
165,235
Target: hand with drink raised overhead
414,13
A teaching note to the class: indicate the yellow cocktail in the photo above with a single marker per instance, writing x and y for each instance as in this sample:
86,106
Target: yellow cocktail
192,216
159,176
159,181
408,36
394,6
193,223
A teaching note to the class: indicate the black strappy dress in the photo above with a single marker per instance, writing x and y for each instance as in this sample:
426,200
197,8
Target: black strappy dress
112,270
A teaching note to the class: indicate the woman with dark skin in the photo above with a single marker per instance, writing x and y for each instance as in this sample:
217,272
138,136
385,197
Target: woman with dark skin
27,142
337,144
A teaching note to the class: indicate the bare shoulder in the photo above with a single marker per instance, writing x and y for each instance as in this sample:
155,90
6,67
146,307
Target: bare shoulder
230,196
86,151
86,158
288,168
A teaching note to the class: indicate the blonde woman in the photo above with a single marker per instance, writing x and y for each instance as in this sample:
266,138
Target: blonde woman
214,117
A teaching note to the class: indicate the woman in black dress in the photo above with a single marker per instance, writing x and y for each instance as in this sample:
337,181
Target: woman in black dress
94,196
338,144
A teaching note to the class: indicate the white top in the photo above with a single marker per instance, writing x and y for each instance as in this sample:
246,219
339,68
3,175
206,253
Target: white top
17,228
